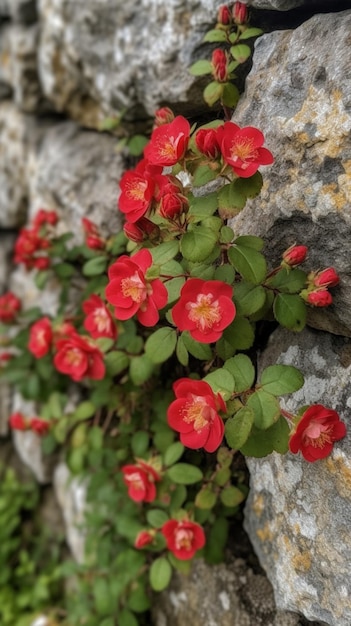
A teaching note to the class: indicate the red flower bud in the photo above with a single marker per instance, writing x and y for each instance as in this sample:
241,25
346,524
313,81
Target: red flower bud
94,243
173,205
319,298
295,255
206,141
10,305
326,278
39,426
144,538
220,65
17,421
41,263
164,115
224,16
240,13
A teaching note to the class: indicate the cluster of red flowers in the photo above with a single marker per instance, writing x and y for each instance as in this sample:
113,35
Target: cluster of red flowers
10,306
17,421
32,244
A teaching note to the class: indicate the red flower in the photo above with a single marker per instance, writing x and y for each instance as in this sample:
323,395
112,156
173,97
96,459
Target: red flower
131,293
194,414
315,433
220,65
18,422
78,357
183,538
326,278
39,426
28,247
319,298
207,142
40,337
205,309
168,142
10,305
99,322
93,239
295,255
144,538
137,188
140,480
242,149
240,13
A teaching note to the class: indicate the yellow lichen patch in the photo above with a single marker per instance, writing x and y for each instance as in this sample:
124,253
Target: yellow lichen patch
258,505
342,475
302,561
336,197
265,533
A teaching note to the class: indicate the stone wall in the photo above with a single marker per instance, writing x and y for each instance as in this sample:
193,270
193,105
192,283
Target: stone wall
65,66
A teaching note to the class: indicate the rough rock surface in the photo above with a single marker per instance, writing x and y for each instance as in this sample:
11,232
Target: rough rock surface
298,513
71,495
220,595
298,93
13,147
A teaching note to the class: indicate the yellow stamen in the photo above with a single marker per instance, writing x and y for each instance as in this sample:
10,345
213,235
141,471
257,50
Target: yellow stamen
204,312
134,288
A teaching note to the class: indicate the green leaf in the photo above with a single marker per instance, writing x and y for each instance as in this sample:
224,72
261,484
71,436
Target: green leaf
213,92
83,411
138,599
292,281
251,32
200,351
64,270
240,52
266,408
242,370
202,270
161,345
181,352
225,273
136,144
156,518
116,361
215,35
173,453
249,241
230,201
250,187
206,498
141,369
250,264
203,206
203,175
263,442
216,541
184,474
126,618
238,428
173,287
231,95
104,343
222,476
248,298
240,334
201,67
197,244
231,496
95,266
227,234
164,252
280,433
183,567
221,382
41,278
104,602
140,443
290,311
160,574
281,379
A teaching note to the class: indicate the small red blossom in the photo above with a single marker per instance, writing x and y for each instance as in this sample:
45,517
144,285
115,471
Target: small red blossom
168,142
40,337
137,188
319,298
219,62
93,239
164,115
295,255
44,217
194,414
144,538
184,538
170,196
131,293
141,229
205,309
326,278
207,142
10,305
99,321
224,16
240,13
78,357
29,248
242,149
315,433
18,422
140,480
39,426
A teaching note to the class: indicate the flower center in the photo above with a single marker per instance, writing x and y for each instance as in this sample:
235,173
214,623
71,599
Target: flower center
40,337
204,312
102,320
168,148
198,413
133,287
136,190
135,481
74,357
183,539
318,435
243,150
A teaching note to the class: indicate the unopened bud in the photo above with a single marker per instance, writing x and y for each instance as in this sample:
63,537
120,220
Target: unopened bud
224,16
220,65
206,141
164,115
326,278
319,298
240,13
295,255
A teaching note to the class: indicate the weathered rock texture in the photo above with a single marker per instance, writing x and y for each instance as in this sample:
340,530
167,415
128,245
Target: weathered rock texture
298,93
298,514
